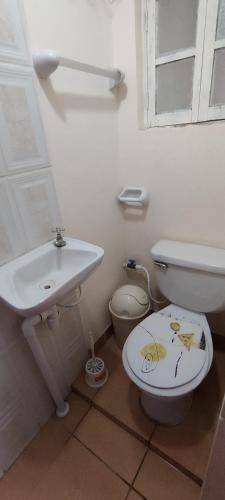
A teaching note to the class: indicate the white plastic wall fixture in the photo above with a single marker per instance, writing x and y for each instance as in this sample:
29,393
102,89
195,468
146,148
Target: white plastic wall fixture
47,61
136,196
29,331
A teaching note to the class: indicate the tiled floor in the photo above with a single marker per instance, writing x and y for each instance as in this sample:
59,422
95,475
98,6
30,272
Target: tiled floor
106,449
187,444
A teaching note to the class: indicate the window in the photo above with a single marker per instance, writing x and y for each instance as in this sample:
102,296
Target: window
185,61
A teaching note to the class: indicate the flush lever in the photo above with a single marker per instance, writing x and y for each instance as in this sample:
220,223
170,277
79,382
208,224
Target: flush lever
162,266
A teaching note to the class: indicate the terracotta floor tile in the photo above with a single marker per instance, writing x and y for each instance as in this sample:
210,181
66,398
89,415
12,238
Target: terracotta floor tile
116,447
158,480
133,496
214,484
189,443
223,408
78,408
80,385
78,474
111,354
29,469
120,397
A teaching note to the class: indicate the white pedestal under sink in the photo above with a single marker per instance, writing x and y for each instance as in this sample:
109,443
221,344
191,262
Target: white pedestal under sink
32,285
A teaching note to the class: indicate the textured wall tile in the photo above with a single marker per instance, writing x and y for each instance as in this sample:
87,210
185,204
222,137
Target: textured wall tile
17,427
22,137
11,239
13,46
37,205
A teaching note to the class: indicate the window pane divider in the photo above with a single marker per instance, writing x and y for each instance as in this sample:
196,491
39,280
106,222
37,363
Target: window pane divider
205,111
178,117
175,56
150,15
197,77
220,44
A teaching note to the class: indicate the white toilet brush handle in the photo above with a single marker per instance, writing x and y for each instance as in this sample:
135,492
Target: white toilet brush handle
92,346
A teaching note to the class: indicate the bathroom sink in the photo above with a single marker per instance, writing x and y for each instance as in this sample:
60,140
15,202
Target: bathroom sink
36,281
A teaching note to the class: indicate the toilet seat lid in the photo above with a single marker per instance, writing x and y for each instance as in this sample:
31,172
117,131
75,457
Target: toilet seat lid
165,352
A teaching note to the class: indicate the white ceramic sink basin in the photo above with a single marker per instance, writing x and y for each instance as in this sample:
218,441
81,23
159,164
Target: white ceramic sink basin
37,280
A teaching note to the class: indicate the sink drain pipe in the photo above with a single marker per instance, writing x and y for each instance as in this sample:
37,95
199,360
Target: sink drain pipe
29,331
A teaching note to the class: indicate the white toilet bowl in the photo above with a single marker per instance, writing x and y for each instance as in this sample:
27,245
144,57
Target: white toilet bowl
168,362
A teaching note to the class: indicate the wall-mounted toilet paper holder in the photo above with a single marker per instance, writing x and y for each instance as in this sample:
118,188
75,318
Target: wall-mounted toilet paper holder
133,196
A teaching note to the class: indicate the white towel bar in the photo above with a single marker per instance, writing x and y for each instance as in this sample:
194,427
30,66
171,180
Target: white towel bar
47,61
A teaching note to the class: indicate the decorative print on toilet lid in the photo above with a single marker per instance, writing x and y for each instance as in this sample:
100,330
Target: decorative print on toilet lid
166,353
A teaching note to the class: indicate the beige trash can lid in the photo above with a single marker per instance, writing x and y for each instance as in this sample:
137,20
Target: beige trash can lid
129,301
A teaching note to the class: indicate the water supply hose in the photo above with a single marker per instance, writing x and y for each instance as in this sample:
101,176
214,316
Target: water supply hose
132,264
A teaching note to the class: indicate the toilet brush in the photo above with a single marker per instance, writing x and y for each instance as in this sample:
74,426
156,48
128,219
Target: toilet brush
96,373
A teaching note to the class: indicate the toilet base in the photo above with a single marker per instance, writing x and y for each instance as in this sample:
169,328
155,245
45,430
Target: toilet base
166,410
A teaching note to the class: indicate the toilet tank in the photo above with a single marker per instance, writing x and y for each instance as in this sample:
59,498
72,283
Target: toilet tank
191,276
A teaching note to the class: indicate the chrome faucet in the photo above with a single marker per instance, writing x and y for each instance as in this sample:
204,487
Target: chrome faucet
59,240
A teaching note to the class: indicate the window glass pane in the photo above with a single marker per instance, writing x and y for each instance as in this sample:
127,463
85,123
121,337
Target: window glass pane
218,79
220,30
176,22
174,83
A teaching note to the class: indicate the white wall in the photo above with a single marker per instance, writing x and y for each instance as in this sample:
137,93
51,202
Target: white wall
79,113
182,167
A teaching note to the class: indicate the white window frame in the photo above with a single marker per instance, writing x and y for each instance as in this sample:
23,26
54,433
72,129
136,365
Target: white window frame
203,54
207,112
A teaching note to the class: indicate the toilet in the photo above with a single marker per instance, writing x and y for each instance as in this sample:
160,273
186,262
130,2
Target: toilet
170,352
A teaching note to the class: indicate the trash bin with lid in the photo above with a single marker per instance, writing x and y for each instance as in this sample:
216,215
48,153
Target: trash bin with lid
128,306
